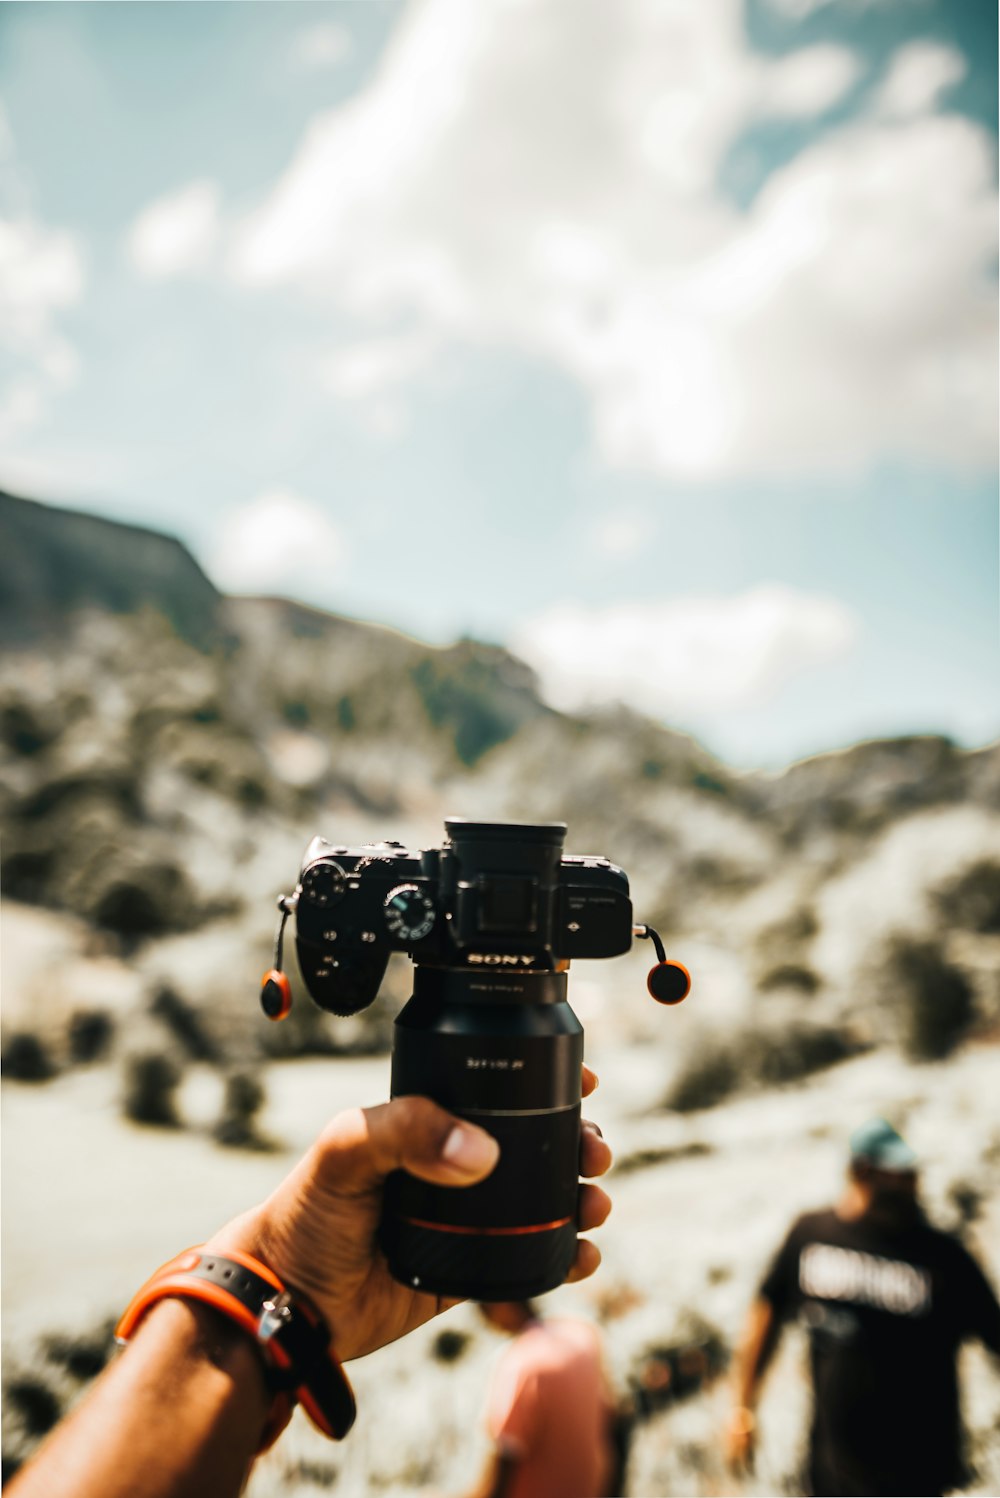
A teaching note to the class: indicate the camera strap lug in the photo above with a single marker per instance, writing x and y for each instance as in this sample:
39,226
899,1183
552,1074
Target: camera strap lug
275,989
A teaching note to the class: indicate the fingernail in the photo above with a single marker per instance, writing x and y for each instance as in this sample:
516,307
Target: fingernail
470,1149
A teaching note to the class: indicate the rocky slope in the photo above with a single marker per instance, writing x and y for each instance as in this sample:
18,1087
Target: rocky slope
160,766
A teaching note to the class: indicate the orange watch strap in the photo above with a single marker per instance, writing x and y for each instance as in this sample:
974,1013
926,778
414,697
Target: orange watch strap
289,1333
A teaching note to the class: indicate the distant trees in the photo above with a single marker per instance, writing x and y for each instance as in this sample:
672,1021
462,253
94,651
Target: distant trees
756,1055
929,999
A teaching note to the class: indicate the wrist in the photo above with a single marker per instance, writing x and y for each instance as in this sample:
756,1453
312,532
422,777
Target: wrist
743,1420
277,1323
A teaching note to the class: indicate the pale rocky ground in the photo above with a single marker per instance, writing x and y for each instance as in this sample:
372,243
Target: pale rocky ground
91,1204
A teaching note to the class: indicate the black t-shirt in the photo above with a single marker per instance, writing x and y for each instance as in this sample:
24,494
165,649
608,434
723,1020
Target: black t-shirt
885,1312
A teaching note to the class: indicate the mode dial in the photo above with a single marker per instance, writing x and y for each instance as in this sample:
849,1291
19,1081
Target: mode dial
323,883
409,913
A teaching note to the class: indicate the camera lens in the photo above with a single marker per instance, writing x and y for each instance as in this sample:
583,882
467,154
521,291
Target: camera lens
503,1050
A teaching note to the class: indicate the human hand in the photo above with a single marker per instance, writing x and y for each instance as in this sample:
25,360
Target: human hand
318,1230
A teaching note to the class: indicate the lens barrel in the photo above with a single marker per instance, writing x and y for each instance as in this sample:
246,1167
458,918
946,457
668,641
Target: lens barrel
503,1049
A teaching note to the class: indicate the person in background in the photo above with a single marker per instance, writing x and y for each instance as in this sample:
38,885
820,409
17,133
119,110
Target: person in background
886,1300
550,1409
225,1338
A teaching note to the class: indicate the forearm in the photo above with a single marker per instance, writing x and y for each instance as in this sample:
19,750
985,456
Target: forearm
179,1415
754,1353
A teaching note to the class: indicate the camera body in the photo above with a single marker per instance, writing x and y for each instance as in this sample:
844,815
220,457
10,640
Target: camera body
495,895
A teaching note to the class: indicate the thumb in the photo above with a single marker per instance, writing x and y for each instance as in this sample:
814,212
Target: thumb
362,1146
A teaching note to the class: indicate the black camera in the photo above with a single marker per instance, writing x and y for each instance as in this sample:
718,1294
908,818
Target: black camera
492,920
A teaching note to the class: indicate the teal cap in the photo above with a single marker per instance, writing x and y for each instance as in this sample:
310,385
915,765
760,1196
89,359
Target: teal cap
880,1145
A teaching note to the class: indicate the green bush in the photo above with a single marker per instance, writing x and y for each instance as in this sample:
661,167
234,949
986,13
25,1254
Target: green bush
90,1034
83,1356
971,901
24,729
136,900
710,1074
243,1100
789,975
25,1057
754,1057
449,1345
185,1024
151,1081
35,1404
793,1051
930,998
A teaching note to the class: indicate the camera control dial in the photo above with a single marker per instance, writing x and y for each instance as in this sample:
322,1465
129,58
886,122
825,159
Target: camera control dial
409,913
323,883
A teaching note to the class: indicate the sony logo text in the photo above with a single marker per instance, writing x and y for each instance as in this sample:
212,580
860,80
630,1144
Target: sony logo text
499,959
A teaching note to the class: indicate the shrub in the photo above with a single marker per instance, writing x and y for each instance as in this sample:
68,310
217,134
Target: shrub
966,1201
930,998
669,1372
789,975
90,1034
296,713
710,1074
459,694
448,1346
794,1051
144,902
25,1057
310,1473
244,1097
82,1356
972,900
754,1057
150,1085
645,1159
34,1402
23,729
184,1023
25,873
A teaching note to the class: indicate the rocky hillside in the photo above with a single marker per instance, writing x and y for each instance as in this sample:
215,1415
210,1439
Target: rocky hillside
164,753
55,562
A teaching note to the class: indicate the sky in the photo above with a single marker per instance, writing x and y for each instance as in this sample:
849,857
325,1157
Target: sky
655,340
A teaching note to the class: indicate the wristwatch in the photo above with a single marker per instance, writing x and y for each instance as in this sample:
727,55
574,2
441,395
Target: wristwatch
290,1333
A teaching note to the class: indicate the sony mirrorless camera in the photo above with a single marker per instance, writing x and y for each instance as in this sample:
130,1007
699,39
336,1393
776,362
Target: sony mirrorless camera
492,920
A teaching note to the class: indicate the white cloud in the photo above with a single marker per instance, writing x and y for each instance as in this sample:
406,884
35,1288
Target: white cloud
21,406
810,81
177,233
374,365
918,74
278,542
798,10
622,534
480,191
374,375
41,276
686,656
324,45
